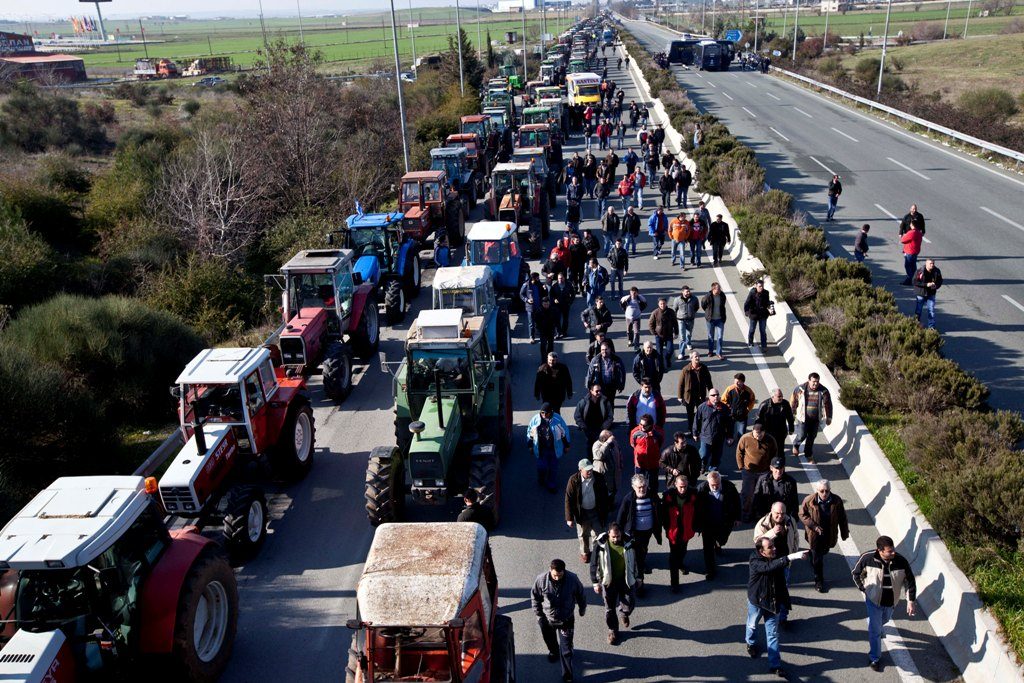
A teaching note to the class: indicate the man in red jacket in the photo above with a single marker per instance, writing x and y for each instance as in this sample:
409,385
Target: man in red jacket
911,241
646,439
678,508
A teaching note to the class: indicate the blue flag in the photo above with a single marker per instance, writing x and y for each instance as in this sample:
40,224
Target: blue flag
359,209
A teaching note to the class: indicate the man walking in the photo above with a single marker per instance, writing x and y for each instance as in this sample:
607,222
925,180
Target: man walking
926,282
718,513
776,414
646,440
680,458
546,320
647,366
686,307
740,400
694,384
718,237
683,183
531,294
608,371
586,505
608,461
812,405
596,280
596,317
754,454
679,233
639,517
757,308
767,599
594,413
912,219
824,518
776,486
860,245
555,596
883,576
664,327
548,437
613,572
618,259
631,228
714,307
678,510
657,228
911,241
633,305
698,235
610,224
779,526
553,384
711,425
562,294
835,188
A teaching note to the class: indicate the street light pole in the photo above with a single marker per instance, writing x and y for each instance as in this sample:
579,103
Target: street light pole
525,76
398,82
885,41
703,4
479,42
298,7
796,28
968,19
458,39
824,41
412,36
755,25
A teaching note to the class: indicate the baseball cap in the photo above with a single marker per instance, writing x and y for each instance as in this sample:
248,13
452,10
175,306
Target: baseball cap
778,463
584,464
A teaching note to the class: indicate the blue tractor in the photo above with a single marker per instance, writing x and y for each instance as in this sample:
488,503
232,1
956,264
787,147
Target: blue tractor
386,257
495,244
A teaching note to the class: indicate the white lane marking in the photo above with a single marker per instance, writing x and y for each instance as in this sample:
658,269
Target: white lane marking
727,94
803,112
823,165
778,133
752,114
893,129
712,84
1001,217
907,168
751,85
848,137
1014,303
896,218
773,96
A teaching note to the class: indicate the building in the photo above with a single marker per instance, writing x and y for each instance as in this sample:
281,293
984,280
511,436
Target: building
516,5
19,59
834,6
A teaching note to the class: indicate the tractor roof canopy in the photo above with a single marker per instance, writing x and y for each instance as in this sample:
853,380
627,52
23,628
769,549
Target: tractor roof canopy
449,152
424,175
222,366
475,118
318,261
463,277
70,522
420,574
373,220
491,230
444,328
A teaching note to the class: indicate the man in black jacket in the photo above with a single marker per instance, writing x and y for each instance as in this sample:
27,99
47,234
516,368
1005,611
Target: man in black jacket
586,505
683,188
775,486
474,511
767,597
545,321
757,307
631,229
718,513
562,294
927,281
618,259
776,414
594,413
596,318
680,458
835,188
718,237
553,383
912,218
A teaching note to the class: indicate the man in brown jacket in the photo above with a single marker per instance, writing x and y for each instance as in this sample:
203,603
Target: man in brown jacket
664,327
824,519
754,454
694,383
586,505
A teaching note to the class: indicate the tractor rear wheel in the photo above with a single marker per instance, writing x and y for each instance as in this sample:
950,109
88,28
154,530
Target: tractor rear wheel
385,486
485,477
403,437
413,276
394,301
206,618
245,521
292,456
367,338
337,371
503,655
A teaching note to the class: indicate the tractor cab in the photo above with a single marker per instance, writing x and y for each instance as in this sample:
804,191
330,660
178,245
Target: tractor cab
517,197
472,289
534,135
466,173
499,118
500,83
536,114
427,608
376,241
429,203
557,116
495,244
547,73
546,176
476,123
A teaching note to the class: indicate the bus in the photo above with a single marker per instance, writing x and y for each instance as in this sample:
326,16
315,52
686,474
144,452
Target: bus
707,56
680,51
583,88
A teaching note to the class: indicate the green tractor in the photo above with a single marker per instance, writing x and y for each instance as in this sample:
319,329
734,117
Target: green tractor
510,71
453,419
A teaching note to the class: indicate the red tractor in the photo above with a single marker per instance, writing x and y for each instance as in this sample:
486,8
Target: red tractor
430,204
329,313
93,586
517,197
483,125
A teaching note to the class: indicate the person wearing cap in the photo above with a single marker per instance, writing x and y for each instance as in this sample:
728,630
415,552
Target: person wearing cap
555,596
776,486
586,505
474,511
646,439
757,308
754,454
548,436
835,188
553,384
718,237
614,575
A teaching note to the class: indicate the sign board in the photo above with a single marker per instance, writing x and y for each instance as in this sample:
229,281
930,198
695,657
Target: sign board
15,43
776,53
747,45
734,35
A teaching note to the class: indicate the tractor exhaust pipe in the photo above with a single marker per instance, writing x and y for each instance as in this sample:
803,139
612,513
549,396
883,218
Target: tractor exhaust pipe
437,395
199,410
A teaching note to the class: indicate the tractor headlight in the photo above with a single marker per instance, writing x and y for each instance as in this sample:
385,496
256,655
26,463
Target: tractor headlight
418,483
439,483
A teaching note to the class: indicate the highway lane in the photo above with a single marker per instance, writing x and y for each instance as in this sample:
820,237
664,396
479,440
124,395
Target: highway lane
297,594
974,227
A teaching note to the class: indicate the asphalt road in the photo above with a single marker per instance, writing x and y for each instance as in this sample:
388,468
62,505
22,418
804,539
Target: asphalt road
296,596
974,227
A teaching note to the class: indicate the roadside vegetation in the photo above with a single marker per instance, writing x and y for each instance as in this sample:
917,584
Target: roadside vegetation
136,230
959,459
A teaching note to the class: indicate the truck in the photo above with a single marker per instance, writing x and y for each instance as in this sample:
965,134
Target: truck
207,65
707,56
583,88
149,69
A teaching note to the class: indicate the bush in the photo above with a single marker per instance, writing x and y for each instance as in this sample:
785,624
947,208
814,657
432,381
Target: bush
133,248
924,384
828,343
832,67
61,172
190,107
1016,25
866,69
27,266
434,128
48,212
886,339
286,237
858,299
992,105
927,30
34,121
773,202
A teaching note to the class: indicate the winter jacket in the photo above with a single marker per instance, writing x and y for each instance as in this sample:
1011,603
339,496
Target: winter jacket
595,347
574,193
757,305
562,296
553,383
649,366
646,446
594,374
618,259
631,223
694,383
686,461
769,491
574,498
608,461
868,575
685,308
698,231
559,431
923,277
911,241
601,561
766,587
666,184
777,418
810,517
606,412
610,223
560,253
663,323
915,219
684,179
679,230
660,409
625,188
633,308
706,305
596,319
531,294
753,455
657,224
603,187
546,320
591,244
835,188
739,400
711,422
627,515
705,523
861,243
597,279
800,405
718,232
556,600
678,511
766,527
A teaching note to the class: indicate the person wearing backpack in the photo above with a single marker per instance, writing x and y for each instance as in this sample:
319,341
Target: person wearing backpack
740,400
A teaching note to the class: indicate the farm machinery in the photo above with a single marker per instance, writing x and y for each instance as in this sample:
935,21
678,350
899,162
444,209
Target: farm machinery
517,197
453,419
471,289
495,245
427,609
429,204
460,160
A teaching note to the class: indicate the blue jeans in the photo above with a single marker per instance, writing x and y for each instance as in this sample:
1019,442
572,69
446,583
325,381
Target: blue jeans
738,427
679,247
547,469
622,136
665,348
716,331
685,334
696,248
753,323
616,275
529,322
877,618
771,632
682,196
609,242
626,201
711,452
833,200
858,256
602,206
638,195
929,303
629,243
588,186
657,242
909,266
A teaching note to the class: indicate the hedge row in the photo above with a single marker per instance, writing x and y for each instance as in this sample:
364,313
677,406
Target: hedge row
885,360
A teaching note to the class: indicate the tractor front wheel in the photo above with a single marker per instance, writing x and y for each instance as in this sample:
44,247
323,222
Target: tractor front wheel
503,656
245,521
485,477
367,337
206,618
394,301
385,486
292,457
337,372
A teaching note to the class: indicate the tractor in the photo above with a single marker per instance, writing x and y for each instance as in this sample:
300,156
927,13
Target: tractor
323,300
427,609
482,125
453,419
496,245
471,288
547,178
511,72
517,197
465,161
94,586
430,204
386,257
235,409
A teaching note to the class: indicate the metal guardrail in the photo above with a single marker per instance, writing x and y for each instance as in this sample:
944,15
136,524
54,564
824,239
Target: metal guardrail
173,442
969,139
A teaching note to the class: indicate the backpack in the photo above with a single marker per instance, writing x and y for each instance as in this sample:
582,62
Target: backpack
738,404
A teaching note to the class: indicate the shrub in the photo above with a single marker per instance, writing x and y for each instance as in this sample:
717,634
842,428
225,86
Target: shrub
61,172
27,265
924,384
858,299
866,69
190,107
927,30
47,212
856,395
134,247
886,339
828,343
1016,25
831,67
992,105
810,48
34,121
289,235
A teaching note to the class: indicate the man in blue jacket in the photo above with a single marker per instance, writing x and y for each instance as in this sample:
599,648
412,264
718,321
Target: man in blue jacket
657,228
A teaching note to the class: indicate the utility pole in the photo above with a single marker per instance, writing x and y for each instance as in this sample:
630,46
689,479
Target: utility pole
968,19
209,44
299,8
703,4
525,76
824,41
398,82
263,26
885,42
479,42
458,39
755,25
945,27
543,26
412,35
796,28
145,48
785,19
103,31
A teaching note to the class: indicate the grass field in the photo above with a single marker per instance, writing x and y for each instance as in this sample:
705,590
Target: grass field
362,39
902,19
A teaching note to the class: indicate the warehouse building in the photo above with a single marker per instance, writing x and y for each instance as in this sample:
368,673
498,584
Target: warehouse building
19,59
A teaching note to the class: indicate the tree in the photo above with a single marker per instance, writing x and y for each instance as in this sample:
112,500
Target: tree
472,69
32,120
491,59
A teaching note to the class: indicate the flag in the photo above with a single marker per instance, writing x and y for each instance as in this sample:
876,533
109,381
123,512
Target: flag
359,209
